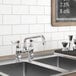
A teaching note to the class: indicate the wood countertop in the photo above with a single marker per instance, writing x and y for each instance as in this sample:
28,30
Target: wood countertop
73,74
24,55
70,74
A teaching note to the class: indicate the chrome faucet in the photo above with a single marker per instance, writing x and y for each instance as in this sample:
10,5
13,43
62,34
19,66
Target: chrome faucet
18,50
31,49
40,36
25,48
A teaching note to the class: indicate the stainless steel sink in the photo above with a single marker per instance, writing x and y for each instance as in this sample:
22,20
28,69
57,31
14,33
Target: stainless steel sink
15,69
26,69
62,62
71,53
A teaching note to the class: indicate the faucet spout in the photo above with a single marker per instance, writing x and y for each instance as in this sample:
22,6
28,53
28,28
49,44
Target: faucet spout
33,37
43,40
30,49
40,36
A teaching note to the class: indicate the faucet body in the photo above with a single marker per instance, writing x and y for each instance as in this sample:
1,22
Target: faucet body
30,49
18,51
26,48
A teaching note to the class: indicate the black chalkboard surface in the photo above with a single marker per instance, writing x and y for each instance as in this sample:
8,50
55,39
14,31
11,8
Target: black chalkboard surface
63,12
66,9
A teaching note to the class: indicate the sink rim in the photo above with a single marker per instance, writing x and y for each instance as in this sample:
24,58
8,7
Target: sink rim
65,73
3,74
55,55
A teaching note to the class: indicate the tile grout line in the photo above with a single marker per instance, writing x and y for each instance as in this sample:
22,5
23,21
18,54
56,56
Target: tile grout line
2,20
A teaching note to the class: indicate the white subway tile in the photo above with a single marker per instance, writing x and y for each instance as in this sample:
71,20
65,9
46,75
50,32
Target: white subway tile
40,46
47,36
5,50
5,29
29,2
53,29
72,33
44,2
0,1
50,45
8,39
48,28
13,49
36,10
0,19
57,36
63,28
1,40
20,9
5,9
35,34
35,45
20,29
73,28
66,34
54,44
11,19
36,28
47,45
12,1
28,19
43,19
48,10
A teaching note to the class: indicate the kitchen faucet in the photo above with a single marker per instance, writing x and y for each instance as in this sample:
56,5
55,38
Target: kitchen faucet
26,48
30,48
18,50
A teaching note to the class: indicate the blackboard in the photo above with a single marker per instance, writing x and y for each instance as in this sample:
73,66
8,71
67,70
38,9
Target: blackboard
66,10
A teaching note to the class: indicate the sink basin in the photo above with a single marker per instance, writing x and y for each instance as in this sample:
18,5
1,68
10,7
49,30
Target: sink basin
34,70
72,53
15,69
26,69
61,62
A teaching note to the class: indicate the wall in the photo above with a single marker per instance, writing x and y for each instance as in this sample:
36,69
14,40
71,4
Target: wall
24,18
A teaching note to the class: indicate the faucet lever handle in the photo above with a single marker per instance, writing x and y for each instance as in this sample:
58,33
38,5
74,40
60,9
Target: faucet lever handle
15,42
31,40
31,45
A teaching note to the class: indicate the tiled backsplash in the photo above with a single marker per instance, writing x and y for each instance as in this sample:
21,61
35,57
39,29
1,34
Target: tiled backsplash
24,18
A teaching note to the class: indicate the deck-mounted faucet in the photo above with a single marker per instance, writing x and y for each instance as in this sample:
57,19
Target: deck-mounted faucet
18,50
26,48
30,49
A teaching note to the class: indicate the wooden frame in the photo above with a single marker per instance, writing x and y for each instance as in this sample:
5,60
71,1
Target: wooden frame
53,17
